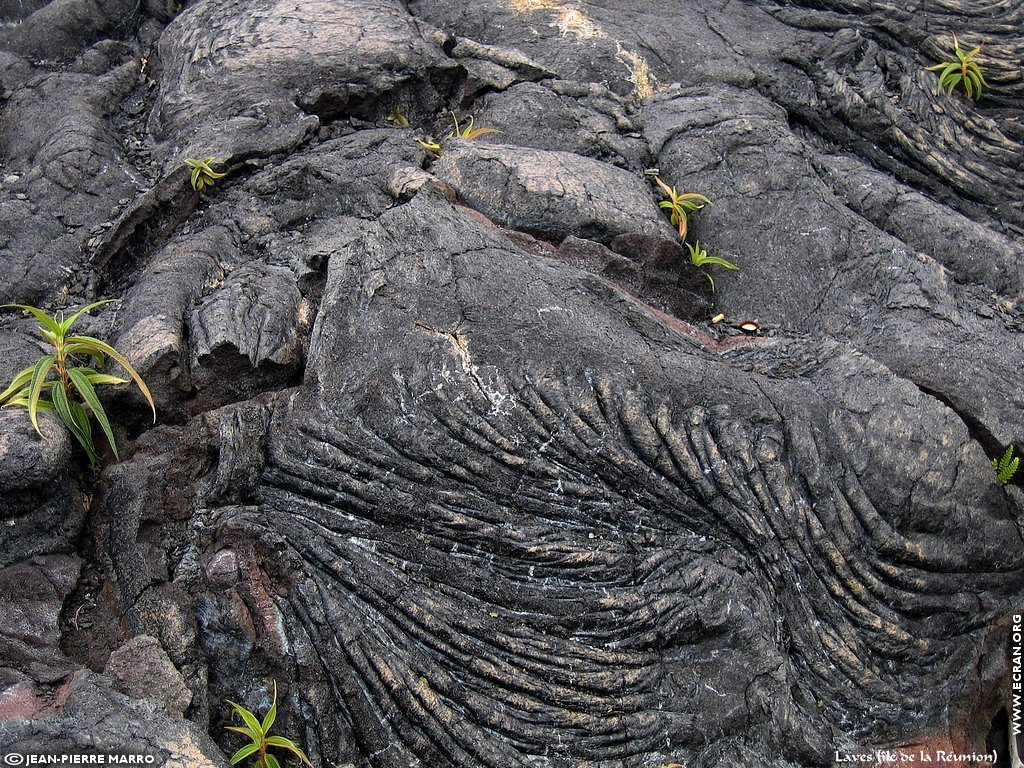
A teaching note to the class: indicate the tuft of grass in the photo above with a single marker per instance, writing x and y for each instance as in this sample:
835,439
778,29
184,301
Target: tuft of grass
679,205
69,377
1005,466
203,177
258,733
964,71
699,257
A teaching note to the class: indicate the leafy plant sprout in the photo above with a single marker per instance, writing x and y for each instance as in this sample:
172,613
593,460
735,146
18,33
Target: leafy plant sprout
467,132
261,741
203,176
964,71
1005,466
430,145
72,388
679,205
699,257
398,119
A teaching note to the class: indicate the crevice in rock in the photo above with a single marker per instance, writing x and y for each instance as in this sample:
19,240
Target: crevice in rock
418,98
975,427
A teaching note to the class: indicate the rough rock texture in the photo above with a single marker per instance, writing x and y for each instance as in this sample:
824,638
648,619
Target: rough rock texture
450,449
91,717
142,669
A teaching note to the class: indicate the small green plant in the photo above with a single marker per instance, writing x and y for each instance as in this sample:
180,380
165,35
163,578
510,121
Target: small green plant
1005,466
679,205
398,119
458,132
699,257
259,732
469,132
203,176
430,145
964,71
72,388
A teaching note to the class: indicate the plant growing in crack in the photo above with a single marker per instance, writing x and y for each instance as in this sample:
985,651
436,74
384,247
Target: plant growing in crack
699,257
1005,466
964,71
431,146
69,378
398,119
203,177
679,205
260,738
467,132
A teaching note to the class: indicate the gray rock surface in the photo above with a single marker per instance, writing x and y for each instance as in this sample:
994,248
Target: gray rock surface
451,450
142,669
89,717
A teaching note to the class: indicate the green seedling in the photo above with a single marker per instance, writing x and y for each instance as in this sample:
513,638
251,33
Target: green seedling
430,145
679,205
69,378
1005,467
203,176
260,738
467,132
699,257
964,71
398,118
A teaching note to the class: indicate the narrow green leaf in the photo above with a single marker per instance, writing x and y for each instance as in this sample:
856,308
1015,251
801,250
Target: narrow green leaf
101,378
481,131
976,78
62,405
719,262
85,429
271,716
77,350
65,325
22,402
39,374
271,761
49,322
21,394
243,753
249,718
88,393
19,381
281,741
88,342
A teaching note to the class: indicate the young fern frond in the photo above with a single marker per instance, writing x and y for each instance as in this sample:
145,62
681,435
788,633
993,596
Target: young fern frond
1005,466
